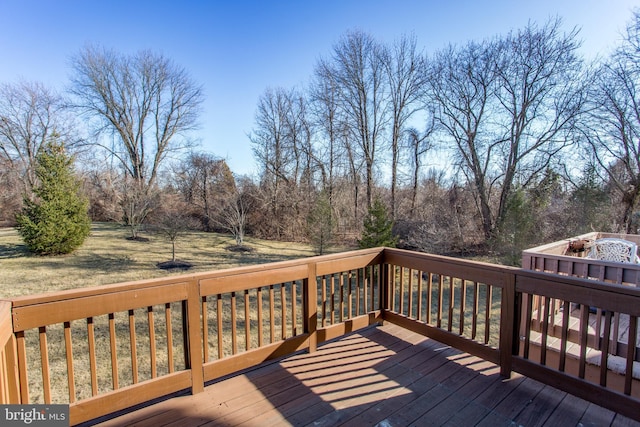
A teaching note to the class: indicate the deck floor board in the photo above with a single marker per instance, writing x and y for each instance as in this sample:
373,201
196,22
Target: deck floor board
384,376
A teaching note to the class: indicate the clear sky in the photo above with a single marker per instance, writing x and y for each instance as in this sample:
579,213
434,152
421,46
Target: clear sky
237,49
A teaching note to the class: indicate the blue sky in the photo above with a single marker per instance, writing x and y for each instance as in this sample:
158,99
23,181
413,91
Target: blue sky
237,49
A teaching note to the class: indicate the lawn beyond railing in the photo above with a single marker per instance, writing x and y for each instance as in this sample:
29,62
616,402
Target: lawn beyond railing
105,349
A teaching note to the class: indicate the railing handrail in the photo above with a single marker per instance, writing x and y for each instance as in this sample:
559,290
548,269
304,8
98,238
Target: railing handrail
147,283
579,290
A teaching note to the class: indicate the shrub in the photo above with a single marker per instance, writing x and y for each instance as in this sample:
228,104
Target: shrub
55,220
378,228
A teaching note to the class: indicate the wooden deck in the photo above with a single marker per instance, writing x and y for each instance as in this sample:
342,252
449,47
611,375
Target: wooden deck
385,376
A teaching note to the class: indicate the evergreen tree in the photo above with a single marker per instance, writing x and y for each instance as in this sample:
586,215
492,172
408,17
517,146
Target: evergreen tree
378,227
55,221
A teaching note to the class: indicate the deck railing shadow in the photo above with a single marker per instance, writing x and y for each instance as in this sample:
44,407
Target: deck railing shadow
223,322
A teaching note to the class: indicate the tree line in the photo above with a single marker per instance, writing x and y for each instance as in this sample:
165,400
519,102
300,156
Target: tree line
492,145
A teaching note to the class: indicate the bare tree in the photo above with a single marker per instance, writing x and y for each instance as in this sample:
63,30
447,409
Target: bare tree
103,184
234,213
613,128
145,101
282,143
10,195
341,163
461,85
509,105
205,182
173,221
270,147
417,144
137,203
328,122
30,114
357,69
540,96
405,68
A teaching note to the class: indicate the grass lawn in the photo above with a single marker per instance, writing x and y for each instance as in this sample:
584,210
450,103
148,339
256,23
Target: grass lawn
108,257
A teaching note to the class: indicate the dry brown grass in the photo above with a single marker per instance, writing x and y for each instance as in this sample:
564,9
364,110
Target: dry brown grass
108,257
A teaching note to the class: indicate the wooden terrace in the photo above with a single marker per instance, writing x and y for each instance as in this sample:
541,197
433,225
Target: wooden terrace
300,342
383,375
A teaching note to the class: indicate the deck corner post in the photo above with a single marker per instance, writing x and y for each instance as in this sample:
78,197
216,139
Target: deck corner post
193,337
508,324
310,285
11,362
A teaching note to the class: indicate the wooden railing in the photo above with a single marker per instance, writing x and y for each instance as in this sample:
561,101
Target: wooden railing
121,345
596,363
556,258
105,349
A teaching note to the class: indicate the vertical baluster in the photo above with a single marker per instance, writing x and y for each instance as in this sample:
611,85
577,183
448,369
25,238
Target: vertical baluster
323,298
272,309
401,290
419,296
205,329
22,367
616,332
69,353
545,331
604,354
294,313
349,285
132,341
584,327
114,351
341,305
566,312
487,320
451,303
152,342
283,309
631,352
527,325
247,321
428,300
259,314
234,328
463,305
410,299
44,361
552,312
357,279
372,284
167,319
475,313
366,282
392,287
219,319
332,292
440,291
91,336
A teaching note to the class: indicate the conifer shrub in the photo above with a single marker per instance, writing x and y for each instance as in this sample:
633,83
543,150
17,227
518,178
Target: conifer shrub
378,228
55,220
